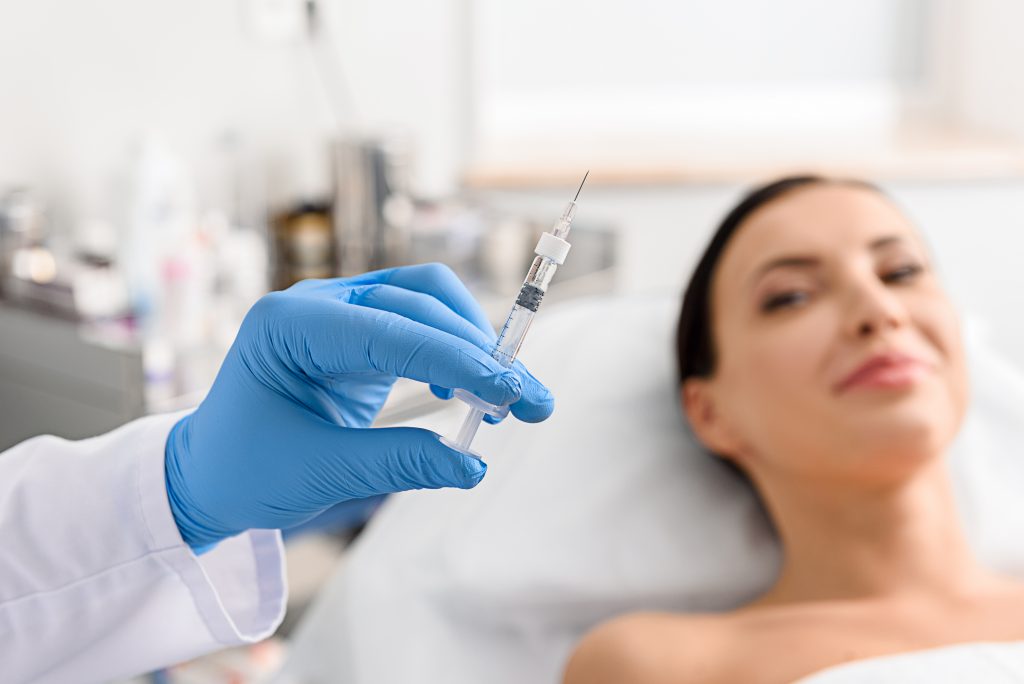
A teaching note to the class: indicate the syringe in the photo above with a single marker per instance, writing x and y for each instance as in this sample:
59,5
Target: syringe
551,251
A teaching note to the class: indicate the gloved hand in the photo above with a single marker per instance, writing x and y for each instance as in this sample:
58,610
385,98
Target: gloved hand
284,432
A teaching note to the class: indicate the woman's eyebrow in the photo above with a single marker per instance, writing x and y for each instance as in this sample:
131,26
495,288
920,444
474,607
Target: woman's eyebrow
803,261
885,241
789,261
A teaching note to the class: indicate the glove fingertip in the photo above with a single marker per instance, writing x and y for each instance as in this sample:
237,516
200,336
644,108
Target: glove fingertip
442,392
537,403
534,411
468,469
476,472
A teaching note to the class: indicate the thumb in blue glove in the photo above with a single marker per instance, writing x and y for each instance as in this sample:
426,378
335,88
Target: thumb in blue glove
284,432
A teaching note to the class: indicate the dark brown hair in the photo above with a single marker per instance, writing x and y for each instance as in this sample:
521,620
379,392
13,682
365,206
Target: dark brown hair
695,346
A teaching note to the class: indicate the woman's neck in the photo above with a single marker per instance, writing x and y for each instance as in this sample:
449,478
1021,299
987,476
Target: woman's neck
850,543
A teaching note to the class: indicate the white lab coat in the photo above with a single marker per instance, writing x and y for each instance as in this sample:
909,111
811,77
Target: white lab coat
95,580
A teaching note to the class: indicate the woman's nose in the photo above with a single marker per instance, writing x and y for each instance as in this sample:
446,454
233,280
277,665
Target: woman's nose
874,308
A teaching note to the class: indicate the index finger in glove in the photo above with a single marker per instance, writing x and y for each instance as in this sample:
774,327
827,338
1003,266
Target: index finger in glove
336,338
438,281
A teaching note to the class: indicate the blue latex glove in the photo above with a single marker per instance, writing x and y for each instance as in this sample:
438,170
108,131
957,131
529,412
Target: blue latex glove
284,432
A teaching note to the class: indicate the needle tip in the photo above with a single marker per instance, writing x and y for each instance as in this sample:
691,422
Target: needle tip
581,186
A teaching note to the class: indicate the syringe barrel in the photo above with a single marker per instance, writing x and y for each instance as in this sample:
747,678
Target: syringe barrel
542,270
512,335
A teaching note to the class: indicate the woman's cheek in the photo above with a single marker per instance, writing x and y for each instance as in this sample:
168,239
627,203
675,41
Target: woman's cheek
791,352
941,326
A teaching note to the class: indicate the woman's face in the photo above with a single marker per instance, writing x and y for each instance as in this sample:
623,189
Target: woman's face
838,353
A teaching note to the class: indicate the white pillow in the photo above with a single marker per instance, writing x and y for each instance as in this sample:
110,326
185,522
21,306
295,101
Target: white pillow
607,507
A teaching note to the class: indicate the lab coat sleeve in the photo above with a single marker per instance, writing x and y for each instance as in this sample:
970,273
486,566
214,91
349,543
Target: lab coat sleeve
95,580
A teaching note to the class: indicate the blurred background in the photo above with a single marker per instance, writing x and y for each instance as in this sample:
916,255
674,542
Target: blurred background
164,164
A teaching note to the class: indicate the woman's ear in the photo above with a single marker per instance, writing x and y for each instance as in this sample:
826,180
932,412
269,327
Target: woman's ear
705,419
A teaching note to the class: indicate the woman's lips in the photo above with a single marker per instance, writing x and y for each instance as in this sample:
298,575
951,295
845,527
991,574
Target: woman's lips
885,371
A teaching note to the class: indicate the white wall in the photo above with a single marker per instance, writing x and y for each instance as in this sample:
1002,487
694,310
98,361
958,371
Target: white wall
616,43
577,74
989,90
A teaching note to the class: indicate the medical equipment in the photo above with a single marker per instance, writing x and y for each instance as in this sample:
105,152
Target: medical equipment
551,251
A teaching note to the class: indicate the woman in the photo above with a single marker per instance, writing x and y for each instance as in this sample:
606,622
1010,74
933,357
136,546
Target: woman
819,354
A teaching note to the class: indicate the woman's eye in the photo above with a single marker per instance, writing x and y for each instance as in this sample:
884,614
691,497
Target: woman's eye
902,274
783,300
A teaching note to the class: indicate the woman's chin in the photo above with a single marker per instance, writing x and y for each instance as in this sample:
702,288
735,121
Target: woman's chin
907,434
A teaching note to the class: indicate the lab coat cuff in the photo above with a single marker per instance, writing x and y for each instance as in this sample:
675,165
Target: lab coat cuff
239,586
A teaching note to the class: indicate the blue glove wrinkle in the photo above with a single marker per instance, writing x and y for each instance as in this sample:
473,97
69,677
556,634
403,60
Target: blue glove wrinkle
440,281
422,308
303,380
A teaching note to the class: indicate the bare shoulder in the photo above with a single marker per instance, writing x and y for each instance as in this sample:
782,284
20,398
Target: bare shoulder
651,648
